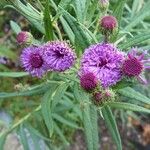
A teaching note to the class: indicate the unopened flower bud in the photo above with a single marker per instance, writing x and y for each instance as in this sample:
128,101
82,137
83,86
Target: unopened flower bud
88,82
109,95
24,37
102,97
104,5
97,98
108,26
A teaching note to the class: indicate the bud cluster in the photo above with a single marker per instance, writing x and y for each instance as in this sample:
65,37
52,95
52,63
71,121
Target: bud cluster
90,84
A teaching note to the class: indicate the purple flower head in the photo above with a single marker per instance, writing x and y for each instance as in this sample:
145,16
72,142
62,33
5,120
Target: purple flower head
24,37
88,81
59,56
135,63
33,62
104,61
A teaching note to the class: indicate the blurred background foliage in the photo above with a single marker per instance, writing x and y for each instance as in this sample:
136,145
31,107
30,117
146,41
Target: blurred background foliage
74,22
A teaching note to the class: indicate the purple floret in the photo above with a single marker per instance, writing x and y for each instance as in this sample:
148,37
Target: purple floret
59,56
33,62
104,61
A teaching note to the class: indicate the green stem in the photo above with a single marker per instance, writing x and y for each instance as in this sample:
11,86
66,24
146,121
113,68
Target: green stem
20,122
58,31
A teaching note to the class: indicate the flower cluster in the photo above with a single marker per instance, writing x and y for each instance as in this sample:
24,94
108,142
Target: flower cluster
103,66
52,56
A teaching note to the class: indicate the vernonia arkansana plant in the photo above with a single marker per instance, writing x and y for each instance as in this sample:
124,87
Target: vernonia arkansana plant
78,65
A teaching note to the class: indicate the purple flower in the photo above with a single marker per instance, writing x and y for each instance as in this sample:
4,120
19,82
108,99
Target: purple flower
104,61
33,62
58,55
88,82
24,37
135,63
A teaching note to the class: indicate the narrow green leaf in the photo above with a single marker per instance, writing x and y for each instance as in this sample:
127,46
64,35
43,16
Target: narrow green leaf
81,37
65,121
37,133
128,106
2,141
23,138
144,12
15,27
131,93
88,128
48,22
60,134
67,29
134,41
94,119
46,110
13,74
58,94
35,90
112,126
118,10
80,7
64,4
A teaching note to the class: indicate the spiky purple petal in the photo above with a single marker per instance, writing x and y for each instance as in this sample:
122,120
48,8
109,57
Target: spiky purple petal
59,56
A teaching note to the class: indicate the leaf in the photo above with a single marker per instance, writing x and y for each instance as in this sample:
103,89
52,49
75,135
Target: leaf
65,121
13,74
128,106
67,29
15,27
48,22
61,135
64,4
144,12
135,40
23,137
77,93
35,90
112,126
118,10
46,110
81,37
37,133
80,7
28,11
2,141
58,94
131,93
88,128
94,119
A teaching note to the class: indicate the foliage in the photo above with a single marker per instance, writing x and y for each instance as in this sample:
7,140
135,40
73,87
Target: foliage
56,103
